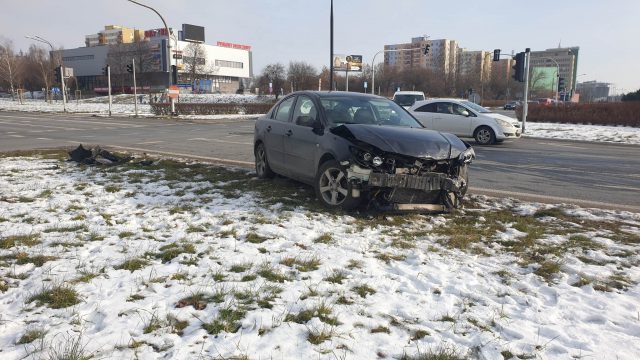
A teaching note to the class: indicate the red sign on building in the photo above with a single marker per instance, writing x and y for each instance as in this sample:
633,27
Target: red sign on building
233,46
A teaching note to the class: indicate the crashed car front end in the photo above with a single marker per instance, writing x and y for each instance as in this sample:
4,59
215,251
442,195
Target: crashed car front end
424,180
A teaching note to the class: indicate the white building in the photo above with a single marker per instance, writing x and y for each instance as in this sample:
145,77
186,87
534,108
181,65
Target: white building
226,67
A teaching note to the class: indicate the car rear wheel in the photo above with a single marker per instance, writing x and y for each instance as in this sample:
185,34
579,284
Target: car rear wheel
333,188
485,136
262,164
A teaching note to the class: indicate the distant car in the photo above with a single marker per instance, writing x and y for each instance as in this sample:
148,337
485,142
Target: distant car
407,98
511,105
359,148
466,119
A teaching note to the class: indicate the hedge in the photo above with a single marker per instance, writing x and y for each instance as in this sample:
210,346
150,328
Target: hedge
623,114
210,109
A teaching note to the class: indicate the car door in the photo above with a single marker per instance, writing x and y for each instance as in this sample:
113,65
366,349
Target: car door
449,119
301,141
274,136
425,114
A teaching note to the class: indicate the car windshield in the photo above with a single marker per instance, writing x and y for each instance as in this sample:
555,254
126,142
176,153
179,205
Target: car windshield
407,100
476,107
375,111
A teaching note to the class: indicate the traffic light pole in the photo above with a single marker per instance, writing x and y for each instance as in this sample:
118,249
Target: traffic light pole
109,85
525,106
135,90
64,90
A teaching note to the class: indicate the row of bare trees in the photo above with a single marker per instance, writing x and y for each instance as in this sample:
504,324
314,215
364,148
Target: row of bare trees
30,71
303,76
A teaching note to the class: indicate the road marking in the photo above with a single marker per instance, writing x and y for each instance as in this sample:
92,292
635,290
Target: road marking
43,139
17,136
151,142
220,141
618,186
562,145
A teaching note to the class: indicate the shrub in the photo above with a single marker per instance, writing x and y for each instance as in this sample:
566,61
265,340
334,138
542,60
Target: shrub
210,109
625,114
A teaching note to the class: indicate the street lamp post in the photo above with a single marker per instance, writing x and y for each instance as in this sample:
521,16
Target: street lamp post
166,28
64,96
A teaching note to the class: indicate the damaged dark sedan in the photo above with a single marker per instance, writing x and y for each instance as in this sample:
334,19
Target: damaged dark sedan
358,149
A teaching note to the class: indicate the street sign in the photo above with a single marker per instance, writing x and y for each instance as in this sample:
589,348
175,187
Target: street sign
365,84
173,91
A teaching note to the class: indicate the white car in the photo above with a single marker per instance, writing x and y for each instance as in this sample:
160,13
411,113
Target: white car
465,119
407,98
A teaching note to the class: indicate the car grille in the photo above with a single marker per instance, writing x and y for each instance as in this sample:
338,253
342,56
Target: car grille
427,182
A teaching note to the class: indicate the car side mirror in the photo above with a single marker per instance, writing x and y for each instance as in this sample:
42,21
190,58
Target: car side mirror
465,113
308,121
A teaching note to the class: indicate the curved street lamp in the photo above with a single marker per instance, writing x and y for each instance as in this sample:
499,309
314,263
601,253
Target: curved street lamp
64,95
166,28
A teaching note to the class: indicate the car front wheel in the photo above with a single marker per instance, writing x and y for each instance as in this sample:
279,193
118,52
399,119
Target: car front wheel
263,170
485,136
333,188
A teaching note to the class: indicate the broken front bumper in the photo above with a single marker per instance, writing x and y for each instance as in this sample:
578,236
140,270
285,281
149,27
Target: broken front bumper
426,182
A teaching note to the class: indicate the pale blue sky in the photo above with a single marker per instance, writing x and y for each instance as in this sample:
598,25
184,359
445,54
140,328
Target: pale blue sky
282,30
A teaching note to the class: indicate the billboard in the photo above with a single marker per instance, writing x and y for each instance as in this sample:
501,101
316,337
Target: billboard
347,62
544,78
192,33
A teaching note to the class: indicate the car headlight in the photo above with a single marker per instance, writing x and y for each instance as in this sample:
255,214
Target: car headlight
365,157
504,124
467,156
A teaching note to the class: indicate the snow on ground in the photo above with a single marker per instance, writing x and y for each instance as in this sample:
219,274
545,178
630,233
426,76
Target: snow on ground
189,261
618,134
123,105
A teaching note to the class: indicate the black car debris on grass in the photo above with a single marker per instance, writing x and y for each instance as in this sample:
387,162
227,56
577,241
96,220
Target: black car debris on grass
358,149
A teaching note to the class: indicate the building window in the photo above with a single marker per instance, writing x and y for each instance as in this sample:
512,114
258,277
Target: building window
230,64
76,58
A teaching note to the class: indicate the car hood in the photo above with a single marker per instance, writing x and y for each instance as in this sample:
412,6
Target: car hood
504,117
414,142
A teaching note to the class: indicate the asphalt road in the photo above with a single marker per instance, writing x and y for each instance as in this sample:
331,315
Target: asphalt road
588,174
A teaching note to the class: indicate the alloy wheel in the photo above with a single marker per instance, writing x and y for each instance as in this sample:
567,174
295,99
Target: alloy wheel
333,186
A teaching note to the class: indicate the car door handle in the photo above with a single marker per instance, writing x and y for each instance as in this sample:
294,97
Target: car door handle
289,132
269,128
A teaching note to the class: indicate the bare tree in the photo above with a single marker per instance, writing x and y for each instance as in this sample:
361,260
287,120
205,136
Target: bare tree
194,58
302,76
121,55
10,66
274,74
38,69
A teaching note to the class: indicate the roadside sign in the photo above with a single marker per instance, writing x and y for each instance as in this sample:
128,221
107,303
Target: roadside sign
365,84
173,91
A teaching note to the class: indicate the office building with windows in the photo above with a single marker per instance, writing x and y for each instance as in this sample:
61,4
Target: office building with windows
221,67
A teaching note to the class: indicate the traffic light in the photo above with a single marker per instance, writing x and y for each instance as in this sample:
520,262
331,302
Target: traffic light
426,48
496,55
105,70
174,74
518,67
58,73
561,84
130,68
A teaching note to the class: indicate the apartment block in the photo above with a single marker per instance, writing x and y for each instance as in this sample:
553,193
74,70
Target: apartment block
114,34
442,56
475,65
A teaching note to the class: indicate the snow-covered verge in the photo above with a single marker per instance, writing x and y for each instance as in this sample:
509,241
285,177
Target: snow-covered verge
617,134
189,261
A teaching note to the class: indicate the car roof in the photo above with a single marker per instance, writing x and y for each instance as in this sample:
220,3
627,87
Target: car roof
408,93
324,94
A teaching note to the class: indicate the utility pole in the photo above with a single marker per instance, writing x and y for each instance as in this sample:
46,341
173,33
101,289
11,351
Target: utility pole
64,90
109,85
331,50
135,89
525,106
